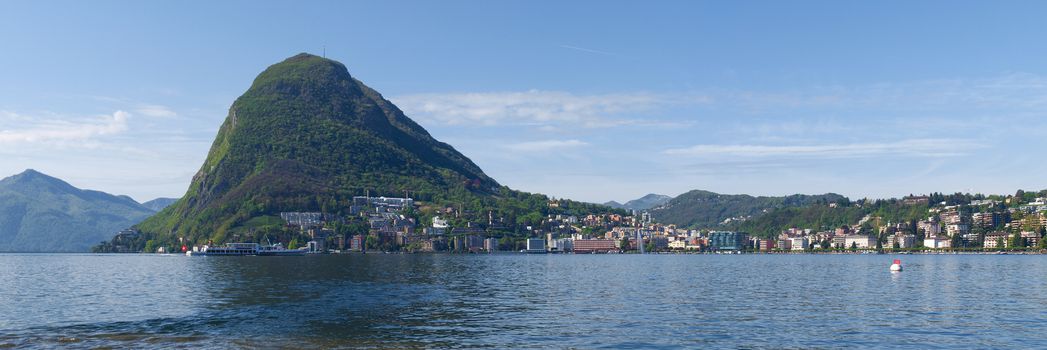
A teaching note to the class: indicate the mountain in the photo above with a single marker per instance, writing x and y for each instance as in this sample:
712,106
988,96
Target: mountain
704,209
307,136
39,213
643,203
159,203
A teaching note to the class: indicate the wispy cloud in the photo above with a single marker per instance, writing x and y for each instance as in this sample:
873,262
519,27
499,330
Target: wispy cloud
915,147
156,111
534,107
545,145
17,129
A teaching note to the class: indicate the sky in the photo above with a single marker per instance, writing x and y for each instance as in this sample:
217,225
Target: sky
588,100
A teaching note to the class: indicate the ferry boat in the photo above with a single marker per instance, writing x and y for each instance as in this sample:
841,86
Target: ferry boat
242,249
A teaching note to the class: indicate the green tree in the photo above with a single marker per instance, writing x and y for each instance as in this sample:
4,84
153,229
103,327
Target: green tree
150,247
293,244
1017,241
625,243
854,246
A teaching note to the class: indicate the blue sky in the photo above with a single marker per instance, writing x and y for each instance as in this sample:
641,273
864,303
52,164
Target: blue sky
593,101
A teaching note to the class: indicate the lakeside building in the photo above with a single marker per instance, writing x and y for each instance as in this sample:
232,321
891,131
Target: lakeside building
535,245
859,241
727,240
561,245
587,246
937,242
799,243
957,229
900,240
839,241
1031,238
491,244
994,240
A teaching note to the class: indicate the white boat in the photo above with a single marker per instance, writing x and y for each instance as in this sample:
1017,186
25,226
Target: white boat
244,249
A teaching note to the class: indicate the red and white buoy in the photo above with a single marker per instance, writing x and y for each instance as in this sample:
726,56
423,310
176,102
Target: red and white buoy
896,266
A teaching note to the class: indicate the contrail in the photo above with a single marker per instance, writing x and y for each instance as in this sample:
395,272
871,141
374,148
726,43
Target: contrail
587,50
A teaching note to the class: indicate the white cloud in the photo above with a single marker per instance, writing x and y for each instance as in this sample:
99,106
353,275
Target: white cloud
156,111
913,147
529,108
16,129
545,145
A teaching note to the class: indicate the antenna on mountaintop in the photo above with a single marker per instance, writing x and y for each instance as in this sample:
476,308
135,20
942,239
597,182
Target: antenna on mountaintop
325,51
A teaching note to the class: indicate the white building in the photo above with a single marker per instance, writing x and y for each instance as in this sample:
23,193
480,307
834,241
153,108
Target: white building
860,241
936,242
439,226
678,244
799,243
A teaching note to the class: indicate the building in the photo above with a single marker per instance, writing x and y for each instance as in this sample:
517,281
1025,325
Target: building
727,240
491,244
474,243
957,229
936,242
356,243
383,202
1031,238
859,241
839,241
561,245
930,227
901,241
439,226
303,220
535,245
588,246
799,243
916,200
764,244
996,240
678,245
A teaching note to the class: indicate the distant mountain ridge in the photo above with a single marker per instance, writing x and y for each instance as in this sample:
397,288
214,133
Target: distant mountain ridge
159,203
646,202
40,213
704,209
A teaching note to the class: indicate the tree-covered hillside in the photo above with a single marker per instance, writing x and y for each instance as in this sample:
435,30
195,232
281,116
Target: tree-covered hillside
39,213
704,209
307,136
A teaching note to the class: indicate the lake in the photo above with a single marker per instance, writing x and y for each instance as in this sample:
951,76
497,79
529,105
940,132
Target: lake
526,301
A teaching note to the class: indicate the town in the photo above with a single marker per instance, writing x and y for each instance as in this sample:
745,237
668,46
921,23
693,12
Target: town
388,224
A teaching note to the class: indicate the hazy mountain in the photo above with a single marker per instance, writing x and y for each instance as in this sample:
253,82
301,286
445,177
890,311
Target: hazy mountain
159,203
706,209
39,213
643,203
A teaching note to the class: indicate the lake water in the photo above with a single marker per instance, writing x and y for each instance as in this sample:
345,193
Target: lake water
511,300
